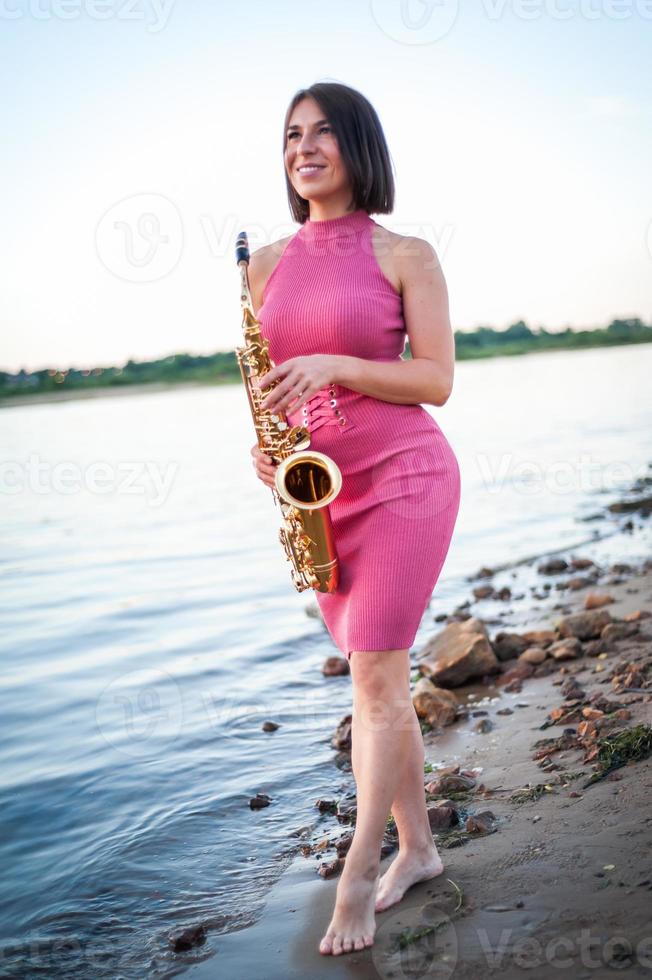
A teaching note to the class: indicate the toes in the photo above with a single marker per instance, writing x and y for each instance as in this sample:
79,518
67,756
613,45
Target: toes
326,945
337,945
347,944
368,940
360,943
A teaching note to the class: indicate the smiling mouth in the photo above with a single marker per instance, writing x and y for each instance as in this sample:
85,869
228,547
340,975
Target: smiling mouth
310,168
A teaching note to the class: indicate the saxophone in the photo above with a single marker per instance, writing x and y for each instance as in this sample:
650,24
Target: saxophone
306,481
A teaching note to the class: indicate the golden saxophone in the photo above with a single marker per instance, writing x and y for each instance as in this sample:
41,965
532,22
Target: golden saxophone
306,481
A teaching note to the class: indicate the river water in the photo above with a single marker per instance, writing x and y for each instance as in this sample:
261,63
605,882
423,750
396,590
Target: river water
150,628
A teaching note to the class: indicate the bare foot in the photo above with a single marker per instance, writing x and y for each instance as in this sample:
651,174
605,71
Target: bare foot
406,870
353,924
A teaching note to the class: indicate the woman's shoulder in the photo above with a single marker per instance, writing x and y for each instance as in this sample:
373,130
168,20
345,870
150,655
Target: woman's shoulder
262,263
401,257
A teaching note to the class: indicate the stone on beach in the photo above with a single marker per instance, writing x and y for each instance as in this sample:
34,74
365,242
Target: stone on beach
458,653
436,705
584,625
533,655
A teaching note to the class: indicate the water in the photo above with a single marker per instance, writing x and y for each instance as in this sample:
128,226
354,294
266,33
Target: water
150,628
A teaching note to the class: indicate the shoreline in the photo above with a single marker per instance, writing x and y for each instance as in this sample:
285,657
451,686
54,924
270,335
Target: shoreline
110,391
566,868
137,388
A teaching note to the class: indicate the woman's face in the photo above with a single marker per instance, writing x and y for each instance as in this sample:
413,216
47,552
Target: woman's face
312,156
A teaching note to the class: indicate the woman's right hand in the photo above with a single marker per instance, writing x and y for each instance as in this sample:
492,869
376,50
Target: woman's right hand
264,467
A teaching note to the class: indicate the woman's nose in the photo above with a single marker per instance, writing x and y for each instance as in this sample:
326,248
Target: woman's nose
305,144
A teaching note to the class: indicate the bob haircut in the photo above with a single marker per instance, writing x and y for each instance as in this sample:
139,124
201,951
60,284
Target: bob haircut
362,146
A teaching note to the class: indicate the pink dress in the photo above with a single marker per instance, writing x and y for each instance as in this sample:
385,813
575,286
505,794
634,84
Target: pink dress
394,516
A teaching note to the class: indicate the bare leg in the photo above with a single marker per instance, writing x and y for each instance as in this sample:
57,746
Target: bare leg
381,740
418,858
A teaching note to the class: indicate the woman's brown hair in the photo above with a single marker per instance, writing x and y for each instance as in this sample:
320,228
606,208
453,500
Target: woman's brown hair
362,146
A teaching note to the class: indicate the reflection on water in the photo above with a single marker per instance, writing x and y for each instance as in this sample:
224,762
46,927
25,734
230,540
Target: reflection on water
151,628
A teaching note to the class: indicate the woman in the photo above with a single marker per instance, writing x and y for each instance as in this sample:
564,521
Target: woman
336,300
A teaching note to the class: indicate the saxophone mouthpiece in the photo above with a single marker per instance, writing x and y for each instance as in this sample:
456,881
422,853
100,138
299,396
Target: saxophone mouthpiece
242,248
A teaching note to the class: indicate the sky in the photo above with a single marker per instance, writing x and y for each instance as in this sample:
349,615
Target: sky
140,136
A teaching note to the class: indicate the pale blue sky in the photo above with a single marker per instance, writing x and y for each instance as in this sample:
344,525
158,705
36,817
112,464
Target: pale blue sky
135,147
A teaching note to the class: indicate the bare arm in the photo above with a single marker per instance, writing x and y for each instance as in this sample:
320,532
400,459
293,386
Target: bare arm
428,377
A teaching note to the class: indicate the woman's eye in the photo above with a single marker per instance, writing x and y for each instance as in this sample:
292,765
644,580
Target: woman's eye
321,130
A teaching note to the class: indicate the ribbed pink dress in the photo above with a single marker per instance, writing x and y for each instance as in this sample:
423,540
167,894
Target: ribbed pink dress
394,516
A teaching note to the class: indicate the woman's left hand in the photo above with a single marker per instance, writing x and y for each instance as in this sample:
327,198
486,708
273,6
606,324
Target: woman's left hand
300,378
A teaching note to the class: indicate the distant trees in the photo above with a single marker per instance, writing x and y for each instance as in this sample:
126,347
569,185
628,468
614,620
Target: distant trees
222,366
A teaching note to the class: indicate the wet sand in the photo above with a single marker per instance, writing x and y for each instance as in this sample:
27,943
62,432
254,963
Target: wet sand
562,888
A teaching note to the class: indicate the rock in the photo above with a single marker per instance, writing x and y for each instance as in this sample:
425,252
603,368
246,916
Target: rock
518,672
458,653
434,704
187,938
548,666
483,591
505,711
483,726
326,806
533,655
335,666
579,564
450,783
592,714
480,823
347,808
571,689
587,729
593,648
595,600
342,737
270,726
567,649
618,631
485,572
553,566
515,686
636,615
504,594
259,801
578,582
507,646
644,504
621,568
446,803
442,817
584,625
327,869
343,843
540,638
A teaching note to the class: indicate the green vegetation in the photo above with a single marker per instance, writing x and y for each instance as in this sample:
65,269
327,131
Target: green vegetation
222,367
619,748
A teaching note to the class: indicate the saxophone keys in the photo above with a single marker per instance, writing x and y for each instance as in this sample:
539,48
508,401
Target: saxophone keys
282,426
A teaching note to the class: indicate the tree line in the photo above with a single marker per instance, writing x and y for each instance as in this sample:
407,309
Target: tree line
221,367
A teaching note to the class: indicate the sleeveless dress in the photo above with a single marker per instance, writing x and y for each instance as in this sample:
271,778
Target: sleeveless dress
393,519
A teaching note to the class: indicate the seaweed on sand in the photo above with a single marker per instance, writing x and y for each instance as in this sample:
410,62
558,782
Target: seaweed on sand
619,748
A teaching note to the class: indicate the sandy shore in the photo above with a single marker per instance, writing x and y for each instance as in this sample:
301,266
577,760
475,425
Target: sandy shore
562,887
